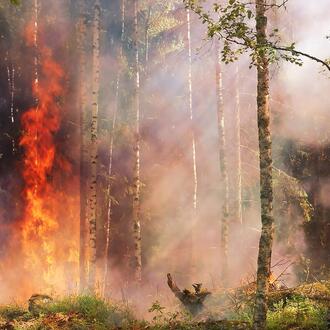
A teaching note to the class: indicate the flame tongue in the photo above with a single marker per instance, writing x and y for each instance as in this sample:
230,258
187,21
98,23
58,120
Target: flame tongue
40,124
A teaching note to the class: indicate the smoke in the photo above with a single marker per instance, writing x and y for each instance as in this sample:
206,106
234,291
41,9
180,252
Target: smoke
299,105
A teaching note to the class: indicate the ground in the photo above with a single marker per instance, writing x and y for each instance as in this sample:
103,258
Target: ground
306,307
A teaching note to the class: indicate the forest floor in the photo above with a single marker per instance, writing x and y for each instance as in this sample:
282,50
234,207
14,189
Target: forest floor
305,307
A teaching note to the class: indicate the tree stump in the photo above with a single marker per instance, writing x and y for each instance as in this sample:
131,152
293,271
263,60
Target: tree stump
192,301
38,303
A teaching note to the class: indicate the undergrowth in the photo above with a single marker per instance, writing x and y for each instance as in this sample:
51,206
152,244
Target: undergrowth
90,313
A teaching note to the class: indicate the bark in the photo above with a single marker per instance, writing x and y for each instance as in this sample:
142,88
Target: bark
266,180
237,207
111,147
192,301
223,169
92,205
81,31
193,142
137,262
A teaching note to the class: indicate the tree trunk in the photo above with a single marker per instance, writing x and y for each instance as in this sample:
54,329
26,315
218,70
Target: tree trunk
112,137
92,205
81,31
237,168
146,36
11,89
193,143
137,262
223,169
266,180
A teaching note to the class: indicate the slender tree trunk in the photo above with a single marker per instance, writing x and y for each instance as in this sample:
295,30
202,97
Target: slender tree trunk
146,35
36,66
83,249
237,168
266,180
223,169
137,254
11,88
11,81
92,205
193,142
112,137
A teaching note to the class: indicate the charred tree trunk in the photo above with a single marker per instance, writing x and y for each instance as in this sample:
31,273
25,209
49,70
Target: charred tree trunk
137,253
266,180
92,205
112,137
223,169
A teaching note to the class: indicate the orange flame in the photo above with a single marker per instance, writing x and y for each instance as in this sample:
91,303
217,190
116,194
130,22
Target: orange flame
42,224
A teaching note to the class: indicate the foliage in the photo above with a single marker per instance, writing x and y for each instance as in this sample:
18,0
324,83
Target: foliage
161,316
234,25
15,2
297,312
290,191
300,312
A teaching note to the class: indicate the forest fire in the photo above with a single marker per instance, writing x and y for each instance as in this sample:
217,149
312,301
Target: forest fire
164,164
43,201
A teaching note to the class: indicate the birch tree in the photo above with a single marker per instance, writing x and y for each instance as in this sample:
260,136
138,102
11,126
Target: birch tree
223,167
137,253
93,146
193,139
266,177
234,28
83,249
237,168
111,146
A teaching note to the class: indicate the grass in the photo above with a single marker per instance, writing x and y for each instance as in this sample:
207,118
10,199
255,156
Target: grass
74,312
91,313
298,313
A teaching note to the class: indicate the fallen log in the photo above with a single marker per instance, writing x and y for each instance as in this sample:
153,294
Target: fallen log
192,301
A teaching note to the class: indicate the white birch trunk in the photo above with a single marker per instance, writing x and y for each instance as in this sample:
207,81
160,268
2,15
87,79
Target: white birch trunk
237,207
92,205
193,145
83,249
137,253
112,137
223,169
